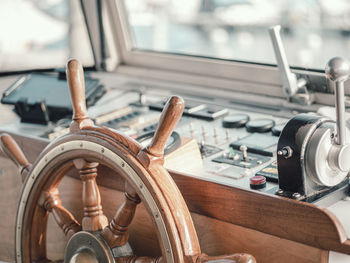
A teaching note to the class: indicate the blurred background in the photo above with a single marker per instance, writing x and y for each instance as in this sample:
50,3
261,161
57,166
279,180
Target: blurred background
45,33
39,34
312,30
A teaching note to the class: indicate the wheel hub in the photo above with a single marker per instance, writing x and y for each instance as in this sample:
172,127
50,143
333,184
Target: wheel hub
87,247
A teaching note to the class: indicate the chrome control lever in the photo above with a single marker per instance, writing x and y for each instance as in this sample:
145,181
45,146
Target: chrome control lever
338,71
290,83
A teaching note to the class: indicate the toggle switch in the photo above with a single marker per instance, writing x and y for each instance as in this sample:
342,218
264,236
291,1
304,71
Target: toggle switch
244,150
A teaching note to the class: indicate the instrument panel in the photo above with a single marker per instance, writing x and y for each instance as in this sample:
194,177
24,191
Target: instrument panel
237,147
238,139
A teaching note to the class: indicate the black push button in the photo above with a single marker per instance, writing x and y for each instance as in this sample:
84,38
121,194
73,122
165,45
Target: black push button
260,125
235,120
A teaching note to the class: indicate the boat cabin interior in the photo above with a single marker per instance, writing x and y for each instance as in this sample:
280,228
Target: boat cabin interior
172,131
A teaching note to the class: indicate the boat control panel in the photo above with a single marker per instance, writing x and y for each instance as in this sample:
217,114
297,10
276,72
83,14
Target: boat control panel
298,155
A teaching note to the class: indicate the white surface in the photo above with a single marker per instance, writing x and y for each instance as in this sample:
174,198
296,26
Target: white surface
335,257
341,210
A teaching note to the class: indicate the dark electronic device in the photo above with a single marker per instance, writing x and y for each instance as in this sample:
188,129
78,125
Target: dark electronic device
40,98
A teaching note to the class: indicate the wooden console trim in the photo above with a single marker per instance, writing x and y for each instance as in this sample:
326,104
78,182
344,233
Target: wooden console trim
278,216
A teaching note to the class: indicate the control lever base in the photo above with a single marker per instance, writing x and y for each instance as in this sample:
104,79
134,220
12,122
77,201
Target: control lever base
322,161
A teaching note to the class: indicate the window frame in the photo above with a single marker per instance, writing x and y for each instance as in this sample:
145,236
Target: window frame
207,72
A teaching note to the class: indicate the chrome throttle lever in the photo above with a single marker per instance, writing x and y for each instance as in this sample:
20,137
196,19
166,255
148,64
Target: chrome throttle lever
338,71
318,158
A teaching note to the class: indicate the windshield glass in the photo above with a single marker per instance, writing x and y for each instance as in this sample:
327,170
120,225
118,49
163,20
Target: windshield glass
312,30
39,34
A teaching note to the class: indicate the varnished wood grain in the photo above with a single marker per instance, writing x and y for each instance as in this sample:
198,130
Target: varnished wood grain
51,201
128,143
152,158
143,238
297,221
178,225
76,83
282,217
216,237
94,219
170,116
116,233
30,146
15,153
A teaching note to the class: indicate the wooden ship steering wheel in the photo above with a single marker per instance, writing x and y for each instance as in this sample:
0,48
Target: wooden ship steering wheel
94,239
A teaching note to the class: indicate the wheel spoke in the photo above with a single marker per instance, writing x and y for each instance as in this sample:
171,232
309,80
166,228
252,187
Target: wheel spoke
116,233
94,219
51,201
135,259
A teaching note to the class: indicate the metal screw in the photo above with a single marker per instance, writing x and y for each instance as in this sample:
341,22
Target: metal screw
279,192
286,152
102,150
296,195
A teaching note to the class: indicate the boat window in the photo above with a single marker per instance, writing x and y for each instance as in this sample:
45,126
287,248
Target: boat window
312,31
40,34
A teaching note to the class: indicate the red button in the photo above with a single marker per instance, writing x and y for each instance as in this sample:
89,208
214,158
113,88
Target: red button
257,182
258,179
